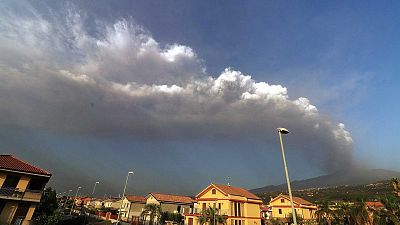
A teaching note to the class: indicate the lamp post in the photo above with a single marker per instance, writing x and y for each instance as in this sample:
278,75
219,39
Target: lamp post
281,131
69,192
73,203
66,200
123,194
215,210
94,187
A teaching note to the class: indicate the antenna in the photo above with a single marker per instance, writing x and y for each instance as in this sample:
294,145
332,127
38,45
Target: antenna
228,178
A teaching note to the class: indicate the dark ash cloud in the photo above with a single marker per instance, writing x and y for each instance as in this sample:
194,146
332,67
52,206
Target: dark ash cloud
55,75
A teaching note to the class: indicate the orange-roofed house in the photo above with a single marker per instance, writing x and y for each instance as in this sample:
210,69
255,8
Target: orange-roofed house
170,203
237,205
132,206
281,207
21,185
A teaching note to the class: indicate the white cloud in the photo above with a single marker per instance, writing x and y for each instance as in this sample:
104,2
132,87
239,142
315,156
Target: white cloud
68,80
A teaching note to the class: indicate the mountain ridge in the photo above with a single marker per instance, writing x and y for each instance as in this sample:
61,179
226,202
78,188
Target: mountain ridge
340,178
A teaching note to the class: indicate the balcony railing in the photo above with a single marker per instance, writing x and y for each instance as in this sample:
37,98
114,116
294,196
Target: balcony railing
16,193
11,192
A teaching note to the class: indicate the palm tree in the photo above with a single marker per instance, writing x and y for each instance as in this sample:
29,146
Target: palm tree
359,214
211,217
342,214
324,214
289,219
151,210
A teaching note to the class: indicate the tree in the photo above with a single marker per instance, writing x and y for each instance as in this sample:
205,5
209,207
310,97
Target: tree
390,213
167,216
324,214
289,219
48,202
210,216
359,214
48,213
275,221
151,210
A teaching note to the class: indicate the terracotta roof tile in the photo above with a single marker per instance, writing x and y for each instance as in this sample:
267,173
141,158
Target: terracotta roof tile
374,204
172,198
10,162
136,198
236,191
297,200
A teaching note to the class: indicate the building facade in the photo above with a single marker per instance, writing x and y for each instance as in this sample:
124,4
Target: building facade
281,207
170,203
237,205
132,206
21,189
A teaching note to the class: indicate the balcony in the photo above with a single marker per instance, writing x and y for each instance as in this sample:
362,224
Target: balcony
11,193
17,194
32,195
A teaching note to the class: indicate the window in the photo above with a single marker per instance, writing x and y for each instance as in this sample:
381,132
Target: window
219,205
190,221
280,211
2,204
179,209
36,184
21,211
214,191
215,205
237,209
282,200
11,181
204,206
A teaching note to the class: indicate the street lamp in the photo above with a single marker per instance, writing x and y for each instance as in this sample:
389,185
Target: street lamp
281,131
73,203
69,192
123,194
215,210
94,188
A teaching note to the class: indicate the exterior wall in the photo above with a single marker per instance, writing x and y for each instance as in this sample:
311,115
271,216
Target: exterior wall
2,178
23,183
173,208
28,218
307,212
116,204
125,207
32,196
152,200
136,209
250,209
285,211
8,212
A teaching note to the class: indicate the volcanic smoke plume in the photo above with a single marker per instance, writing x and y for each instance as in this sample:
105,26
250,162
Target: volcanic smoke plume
57,76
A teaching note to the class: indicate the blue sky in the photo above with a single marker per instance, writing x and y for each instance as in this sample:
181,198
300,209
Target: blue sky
342,56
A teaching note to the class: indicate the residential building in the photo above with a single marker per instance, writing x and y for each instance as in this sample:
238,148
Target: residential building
266,212
112,203
237,205
21,189
94,203
281,207
132,207
169,202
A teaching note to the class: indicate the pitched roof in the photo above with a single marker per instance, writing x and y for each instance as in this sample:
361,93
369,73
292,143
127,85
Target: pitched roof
235,191
10,162
295,199
172,198
136,198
